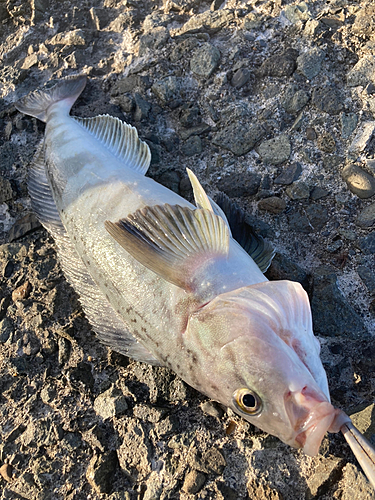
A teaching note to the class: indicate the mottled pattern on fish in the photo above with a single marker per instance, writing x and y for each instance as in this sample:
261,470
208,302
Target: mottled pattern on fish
163,281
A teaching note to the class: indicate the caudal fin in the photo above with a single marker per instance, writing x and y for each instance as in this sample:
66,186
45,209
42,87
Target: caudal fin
37,103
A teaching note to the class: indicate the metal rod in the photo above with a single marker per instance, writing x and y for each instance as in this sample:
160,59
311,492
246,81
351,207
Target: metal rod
362,449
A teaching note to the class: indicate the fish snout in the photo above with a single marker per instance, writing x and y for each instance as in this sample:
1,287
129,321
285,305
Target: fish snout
311,416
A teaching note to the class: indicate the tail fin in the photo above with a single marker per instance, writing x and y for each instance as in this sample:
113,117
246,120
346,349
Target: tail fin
37,103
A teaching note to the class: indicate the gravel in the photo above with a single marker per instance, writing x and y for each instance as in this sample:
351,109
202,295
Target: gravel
271,104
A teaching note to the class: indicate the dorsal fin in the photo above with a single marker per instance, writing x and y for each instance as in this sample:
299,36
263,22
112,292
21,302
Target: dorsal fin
109,327
200,196
121,140
202,200
260,250
172,241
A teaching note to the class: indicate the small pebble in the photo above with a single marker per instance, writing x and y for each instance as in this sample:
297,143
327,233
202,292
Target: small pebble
6,471
193,482
273,204
231,427
359,182
290,174
310,134
240,78
22,292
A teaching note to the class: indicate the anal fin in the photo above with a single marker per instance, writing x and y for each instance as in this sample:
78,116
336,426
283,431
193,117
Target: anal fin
109,327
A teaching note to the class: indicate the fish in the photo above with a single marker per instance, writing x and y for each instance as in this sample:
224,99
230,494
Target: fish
165,282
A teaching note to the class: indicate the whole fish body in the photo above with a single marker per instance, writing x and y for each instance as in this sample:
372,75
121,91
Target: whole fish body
163,281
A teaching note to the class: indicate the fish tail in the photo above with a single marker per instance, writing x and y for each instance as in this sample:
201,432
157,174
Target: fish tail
38,102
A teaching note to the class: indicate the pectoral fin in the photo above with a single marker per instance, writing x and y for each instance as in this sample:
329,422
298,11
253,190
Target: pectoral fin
172,241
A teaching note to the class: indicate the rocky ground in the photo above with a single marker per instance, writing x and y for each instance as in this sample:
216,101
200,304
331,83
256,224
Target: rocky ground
270,102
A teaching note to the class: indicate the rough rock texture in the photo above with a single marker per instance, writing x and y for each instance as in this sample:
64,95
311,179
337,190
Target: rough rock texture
272,103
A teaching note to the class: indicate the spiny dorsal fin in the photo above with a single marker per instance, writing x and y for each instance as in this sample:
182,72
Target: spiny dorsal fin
218,211
260,250
202,200
121,139
200,196
172,241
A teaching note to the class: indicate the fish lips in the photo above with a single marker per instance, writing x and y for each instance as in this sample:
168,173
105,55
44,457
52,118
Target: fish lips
311,416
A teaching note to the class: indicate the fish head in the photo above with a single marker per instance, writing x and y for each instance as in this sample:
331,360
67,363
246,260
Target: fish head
259,357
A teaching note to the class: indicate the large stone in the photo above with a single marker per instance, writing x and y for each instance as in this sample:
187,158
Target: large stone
168,90
282,268
239,138
318,216
310,62
328,100
332,314
276,150
211,461
6,192
210,21
295,100
298,191
192,146
238,184
272,204
240,78
183,49
361,139
41,433
348,124
75,37
142,108
364,23
363,72
290,174
6,329
155,39
110,403
279,65
368,277
23,226
359,182
366,218
101,471
193,482
367,244
205,60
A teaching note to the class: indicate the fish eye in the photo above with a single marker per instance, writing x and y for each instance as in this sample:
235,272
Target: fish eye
247,401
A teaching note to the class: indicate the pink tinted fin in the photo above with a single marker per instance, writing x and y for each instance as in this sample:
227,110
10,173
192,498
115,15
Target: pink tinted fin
172,241
37,103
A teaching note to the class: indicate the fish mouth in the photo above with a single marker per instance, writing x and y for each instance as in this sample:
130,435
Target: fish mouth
311,416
